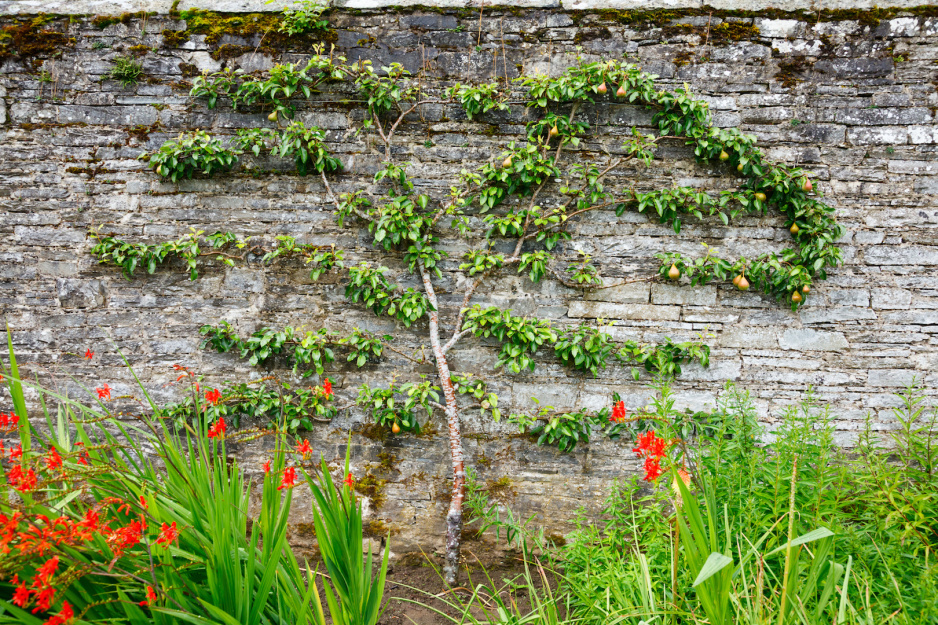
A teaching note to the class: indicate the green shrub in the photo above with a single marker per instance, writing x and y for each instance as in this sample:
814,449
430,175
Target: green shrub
126,70
191,153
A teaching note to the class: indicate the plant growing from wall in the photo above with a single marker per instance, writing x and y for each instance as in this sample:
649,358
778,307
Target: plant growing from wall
126,70
516,214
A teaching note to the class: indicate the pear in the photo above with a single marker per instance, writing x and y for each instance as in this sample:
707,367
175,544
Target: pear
621,93
806,186
796,297
739,167
743,284
273,116
396,428
602,89
554,132
507,162
724,156
794,228
760,196
806,288
736,280
674,273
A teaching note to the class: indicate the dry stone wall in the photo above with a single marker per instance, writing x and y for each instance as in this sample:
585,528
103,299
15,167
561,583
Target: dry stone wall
850,96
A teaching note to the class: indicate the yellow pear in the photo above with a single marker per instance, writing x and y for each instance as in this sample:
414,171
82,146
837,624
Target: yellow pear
739,167
794,228
724,156
806,186
743,284
396,428
736,280
621,93
806,288
602,89
554,132
760,196
674,273
796,297
506,162
273,116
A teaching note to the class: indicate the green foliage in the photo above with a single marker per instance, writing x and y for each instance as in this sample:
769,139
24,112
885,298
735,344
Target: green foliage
302,17
278,402
584,348
305,145
126,70
477,389
479,99
311,351
561,429
129,256
520,170
520,337
191,153
368,285
128,485
364,347
383,93
480,262
399,403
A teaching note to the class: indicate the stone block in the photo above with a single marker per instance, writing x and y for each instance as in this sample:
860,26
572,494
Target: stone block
606,310
635,293
747,337
694,296
808,340
80,293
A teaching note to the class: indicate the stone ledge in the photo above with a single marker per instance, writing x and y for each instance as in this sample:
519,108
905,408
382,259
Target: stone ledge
114,7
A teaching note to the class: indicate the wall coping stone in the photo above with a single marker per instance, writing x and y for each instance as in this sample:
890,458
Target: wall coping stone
108,7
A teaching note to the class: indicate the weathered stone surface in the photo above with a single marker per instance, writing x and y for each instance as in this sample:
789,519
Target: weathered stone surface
858,119
811,340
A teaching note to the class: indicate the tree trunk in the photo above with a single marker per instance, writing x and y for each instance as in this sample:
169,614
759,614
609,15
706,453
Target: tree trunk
454,516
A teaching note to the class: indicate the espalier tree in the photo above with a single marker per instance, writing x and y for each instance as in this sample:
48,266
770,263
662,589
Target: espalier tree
515,213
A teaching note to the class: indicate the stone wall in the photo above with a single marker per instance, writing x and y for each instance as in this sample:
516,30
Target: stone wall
850,96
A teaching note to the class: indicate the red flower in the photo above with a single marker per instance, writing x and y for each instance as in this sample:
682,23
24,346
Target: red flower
349,480
104,392
618,412
304,448
327,388
82,455
16,453
218,429
23,482
53,460
650,446
289,478
44,572
652,469
168,534
89,354
267,467
21,595
151,597
44,599
143,502
64,616
213,396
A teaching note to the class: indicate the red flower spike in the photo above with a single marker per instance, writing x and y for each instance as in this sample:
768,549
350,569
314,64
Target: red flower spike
64,616
104,392
267,467
349,480
218,429
618,412
21,595
89,354
168,534
16,453
304,448
213,396
44,599
143,502
289,478
652,469
53,460
327,388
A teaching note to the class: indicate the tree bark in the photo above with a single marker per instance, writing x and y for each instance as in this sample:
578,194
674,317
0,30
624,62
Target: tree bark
454,516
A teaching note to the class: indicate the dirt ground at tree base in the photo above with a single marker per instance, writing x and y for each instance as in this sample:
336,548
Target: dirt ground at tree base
417,578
